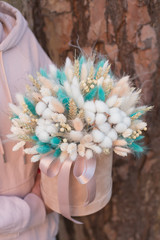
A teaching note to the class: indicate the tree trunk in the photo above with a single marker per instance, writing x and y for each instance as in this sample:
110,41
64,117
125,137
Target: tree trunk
128,33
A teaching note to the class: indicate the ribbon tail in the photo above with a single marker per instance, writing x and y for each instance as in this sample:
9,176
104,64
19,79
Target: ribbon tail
63,190
91,190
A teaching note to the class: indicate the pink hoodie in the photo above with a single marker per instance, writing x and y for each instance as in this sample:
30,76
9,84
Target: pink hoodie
22,214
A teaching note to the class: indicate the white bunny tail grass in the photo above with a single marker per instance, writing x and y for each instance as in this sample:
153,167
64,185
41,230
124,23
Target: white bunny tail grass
16,110
121,151
78,124
32,150
68,89
18,145
35,158
20,99
45,82
130,101
119,142
68,69
127,133
52,71
121,88
84,73
56,106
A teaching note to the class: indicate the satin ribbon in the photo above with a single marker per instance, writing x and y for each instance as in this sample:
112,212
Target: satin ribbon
83,171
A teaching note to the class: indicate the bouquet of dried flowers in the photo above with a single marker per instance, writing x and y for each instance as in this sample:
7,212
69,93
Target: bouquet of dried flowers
79,110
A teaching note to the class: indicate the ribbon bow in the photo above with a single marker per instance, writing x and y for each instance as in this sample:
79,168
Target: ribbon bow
83,171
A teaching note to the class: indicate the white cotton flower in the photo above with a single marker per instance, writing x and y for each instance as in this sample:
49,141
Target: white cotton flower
47,114
95,148
127,121
47,99
120,127
38,129
115,118
101,107
106,143
100,118
43,136
41,121
112,134
89,154
104,127
123,114
111,101
18,145
75,135
127,132
40,107
98,136
51,129
114,110
90,106
35,158
90,117
48,122
45,91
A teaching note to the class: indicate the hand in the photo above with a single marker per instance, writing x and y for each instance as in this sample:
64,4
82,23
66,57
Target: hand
36,188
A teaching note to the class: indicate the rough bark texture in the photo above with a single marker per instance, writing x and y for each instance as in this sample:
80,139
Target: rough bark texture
128,32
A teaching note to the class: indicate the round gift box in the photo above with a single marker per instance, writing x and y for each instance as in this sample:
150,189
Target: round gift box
78,192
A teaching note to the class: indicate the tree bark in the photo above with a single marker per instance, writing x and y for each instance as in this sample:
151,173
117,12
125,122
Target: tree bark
128,33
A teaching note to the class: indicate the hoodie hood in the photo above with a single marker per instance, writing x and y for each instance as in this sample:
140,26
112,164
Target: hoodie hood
12,26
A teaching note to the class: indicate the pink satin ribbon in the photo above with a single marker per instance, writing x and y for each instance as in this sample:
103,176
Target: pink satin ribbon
83,171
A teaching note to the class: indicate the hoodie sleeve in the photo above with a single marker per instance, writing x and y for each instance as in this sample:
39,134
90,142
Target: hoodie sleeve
17,214
44,60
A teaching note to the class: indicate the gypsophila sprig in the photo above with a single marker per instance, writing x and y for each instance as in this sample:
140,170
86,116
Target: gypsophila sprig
80,109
